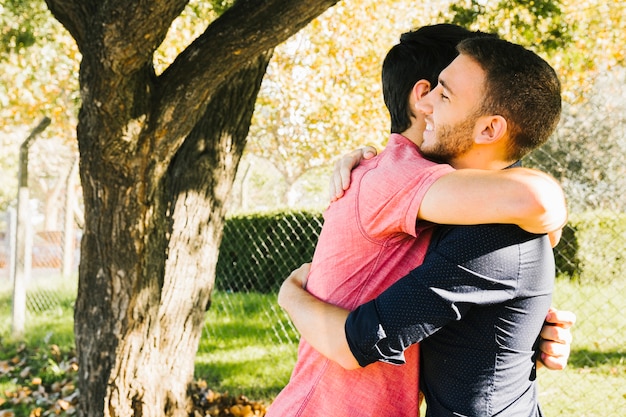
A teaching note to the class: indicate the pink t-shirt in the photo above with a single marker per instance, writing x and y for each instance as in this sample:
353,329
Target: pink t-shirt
369,240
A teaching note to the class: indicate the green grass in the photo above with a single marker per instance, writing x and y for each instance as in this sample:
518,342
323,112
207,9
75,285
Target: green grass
594,383
45,352
52,323
245,348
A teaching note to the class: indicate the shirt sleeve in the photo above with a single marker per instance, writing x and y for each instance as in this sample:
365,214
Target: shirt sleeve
465,266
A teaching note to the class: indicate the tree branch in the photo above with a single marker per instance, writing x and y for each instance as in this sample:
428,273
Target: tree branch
129,31
134,30
74,16
246,30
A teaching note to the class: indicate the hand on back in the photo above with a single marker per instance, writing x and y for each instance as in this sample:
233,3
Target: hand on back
340,180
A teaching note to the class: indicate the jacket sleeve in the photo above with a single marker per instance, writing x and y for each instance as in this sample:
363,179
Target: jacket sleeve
464,267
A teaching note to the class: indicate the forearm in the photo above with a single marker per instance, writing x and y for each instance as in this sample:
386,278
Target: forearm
320,324
528,198
545,208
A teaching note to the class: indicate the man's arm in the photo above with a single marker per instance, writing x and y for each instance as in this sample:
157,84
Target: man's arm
323,325
528,198
320,324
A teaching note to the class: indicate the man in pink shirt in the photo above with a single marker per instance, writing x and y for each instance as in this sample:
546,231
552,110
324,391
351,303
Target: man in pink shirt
381,229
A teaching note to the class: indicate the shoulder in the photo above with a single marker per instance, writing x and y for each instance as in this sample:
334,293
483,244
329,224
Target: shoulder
402,164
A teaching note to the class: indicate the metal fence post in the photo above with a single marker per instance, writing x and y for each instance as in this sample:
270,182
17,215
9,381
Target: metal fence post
23,252
68,228
11,226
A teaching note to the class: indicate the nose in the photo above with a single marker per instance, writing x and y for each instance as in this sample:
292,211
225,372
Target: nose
424,105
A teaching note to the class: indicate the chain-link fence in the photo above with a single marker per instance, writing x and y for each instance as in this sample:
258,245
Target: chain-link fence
48,278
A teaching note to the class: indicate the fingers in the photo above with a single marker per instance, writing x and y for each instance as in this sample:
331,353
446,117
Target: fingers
340,179
555,237
336,182
368,152
556,339
561,318
554,363
301,274
558,335
554,355
294,282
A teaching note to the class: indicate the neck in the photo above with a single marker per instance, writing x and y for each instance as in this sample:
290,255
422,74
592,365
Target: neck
415,134
476,159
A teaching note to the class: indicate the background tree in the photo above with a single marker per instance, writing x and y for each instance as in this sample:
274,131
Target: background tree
158,154
322,96
558,29
592,72
38,66
584,153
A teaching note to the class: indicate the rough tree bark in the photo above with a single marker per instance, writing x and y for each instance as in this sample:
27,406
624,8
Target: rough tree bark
158,155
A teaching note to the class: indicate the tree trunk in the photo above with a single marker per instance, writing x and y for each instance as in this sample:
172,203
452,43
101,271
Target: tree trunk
158,156
153,263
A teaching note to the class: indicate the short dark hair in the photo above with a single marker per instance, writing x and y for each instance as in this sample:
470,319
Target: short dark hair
421,55
520,86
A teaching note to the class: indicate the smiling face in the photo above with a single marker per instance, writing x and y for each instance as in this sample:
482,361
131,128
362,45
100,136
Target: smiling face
451,110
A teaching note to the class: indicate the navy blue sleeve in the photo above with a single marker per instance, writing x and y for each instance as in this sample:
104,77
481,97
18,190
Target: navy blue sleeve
464,266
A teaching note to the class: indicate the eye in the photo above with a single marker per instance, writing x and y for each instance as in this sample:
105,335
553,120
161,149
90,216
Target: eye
443,96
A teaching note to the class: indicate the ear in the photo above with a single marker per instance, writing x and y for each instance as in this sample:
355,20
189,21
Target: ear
492,129
420,89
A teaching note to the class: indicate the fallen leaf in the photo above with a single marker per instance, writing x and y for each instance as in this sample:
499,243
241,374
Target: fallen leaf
67,389
25,372
5,368
63,405
36,412
56,351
